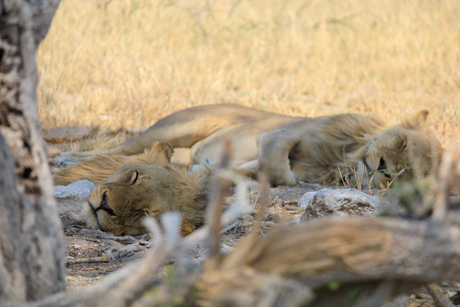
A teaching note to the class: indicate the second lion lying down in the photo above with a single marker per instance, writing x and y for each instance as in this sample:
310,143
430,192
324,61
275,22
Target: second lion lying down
285,148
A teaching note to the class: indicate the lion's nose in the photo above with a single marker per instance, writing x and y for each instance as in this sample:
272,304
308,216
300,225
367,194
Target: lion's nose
382,168
104,204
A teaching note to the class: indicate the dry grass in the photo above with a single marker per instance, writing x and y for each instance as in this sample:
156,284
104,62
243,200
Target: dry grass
128,63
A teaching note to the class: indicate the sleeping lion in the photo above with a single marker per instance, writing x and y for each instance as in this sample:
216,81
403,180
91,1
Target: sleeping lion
287,149
145,175
145,185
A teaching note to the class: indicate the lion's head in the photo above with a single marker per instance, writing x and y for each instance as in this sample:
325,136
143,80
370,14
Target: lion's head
404,151
138,190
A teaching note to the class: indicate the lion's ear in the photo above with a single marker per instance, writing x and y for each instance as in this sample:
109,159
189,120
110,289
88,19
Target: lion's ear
420,117
165,149
417,121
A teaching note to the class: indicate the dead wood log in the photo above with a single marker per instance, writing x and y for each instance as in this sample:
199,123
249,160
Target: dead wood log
248,287
355,251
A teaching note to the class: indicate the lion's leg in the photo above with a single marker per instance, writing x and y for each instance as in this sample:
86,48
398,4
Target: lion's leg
182,156
248,169
180,134
274,149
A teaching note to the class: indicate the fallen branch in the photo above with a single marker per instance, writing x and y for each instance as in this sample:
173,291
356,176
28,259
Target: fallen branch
361,248
354,250
354,254
64,299
144,278
100,259
439,295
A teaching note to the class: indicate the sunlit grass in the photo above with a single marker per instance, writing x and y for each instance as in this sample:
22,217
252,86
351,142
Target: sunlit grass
128,63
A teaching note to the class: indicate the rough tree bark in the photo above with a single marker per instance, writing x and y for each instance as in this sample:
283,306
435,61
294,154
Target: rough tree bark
32,249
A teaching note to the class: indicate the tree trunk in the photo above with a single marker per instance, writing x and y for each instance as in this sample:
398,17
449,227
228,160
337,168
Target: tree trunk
32,248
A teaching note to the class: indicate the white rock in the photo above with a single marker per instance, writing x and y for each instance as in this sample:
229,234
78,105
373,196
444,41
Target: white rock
64,161
71,199
343,202
80,188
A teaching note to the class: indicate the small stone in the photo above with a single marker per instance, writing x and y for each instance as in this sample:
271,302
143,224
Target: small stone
70,201
81,188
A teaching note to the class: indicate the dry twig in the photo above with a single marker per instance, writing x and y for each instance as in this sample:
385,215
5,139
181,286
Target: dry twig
439,295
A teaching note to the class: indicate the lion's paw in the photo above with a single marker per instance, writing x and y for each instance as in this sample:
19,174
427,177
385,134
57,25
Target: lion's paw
203,169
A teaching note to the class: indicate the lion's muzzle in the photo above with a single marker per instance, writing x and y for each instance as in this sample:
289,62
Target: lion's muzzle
104,205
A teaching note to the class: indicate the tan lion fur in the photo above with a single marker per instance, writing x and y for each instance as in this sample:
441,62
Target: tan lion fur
137,178
99,168
339,141
286,149
148,188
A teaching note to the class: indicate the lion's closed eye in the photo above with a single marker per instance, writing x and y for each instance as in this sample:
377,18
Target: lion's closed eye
137,190
134,177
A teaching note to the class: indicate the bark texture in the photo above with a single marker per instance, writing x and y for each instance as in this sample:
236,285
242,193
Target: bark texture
32,249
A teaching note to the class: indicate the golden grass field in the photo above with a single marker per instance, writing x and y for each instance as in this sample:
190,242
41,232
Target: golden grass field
128,63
